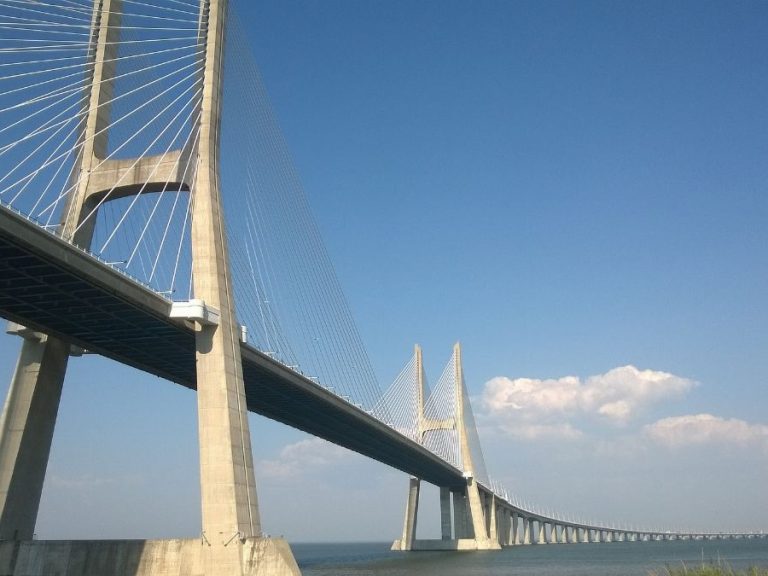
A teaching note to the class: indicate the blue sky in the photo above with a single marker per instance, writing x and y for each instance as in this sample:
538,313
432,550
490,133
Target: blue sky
568,189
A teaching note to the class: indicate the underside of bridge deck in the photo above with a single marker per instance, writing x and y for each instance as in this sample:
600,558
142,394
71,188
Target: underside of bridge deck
56,288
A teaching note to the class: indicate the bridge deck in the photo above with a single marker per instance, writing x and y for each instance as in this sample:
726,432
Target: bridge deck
53,287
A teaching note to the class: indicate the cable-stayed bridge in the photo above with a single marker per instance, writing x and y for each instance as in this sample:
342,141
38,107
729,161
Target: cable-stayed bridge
128,130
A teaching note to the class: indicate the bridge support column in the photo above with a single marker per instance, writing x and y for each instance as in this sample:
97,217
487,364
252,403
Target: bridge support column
411,516
510,537
460,528
493,528
542,537
26,432
515,529
502,526
527,526
445,513
477,518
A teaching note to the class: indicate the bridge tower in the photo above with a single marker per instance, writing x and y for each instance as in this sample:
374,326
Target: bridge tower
231,541
471,525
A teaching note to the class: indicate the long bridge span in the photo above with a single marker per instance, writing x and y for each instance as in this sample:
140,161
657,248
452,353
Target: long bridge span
49,286
115,177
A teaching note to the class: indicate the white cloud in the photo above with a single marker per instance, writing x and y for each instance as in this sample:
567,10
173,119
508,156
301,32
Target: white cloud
542,431
618,395
700,429
299,456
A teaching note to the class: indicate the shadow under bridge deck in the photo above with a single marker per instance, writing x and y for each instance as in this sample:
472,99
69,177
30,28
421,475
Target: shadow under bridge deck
49,285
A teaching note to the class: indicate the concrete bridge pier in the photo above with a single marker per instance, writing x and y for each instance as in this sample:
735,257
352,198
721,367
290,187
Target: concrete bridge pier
542,534
445,513
511,528
491,526
26,431
563,539
527,528
516,541
460,527
411,515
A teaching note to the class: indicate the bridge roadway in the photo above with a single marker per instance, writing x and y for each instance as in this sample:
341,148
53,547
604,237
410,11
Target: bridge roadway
51,286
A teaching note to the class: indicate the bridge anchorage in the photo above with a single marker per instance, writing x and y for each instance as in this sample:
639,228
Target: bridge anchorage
70,144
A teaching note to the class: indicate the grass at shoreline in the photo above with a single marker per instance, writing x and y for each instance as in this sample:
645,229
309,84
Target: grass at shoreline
709,570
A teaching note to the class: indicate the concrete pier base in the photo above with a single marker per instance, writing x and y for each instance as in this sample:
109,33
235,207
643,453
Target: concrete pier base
182,557
461,544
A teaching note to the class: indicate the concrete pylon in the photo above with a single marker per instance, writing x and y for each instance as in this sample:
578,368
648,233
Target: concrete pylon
231,530
477,519
30,411
406,542
474,528
230,512
424,425
228,488
31,407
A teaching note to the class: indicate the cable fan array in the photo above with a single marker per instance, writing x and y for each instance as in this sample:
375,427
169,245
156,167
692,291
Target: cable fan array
102,91
142,105
286,289
399,404
441,405
437,429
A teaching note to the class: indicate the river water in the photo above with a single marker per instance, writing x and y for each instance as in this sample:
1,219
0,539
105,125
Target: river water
612,559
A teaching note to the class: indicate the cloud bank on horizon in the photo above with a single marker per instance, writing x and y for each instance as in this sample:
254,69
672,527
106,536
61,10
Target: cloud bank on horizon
531,409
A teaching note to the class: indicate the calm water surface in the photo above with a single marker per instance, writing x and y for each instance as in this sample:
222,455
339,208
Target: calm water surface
614,559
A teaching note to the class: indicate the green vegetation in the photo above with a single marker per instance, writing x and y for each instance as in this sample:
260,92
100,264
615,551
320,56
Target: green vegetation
710,570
